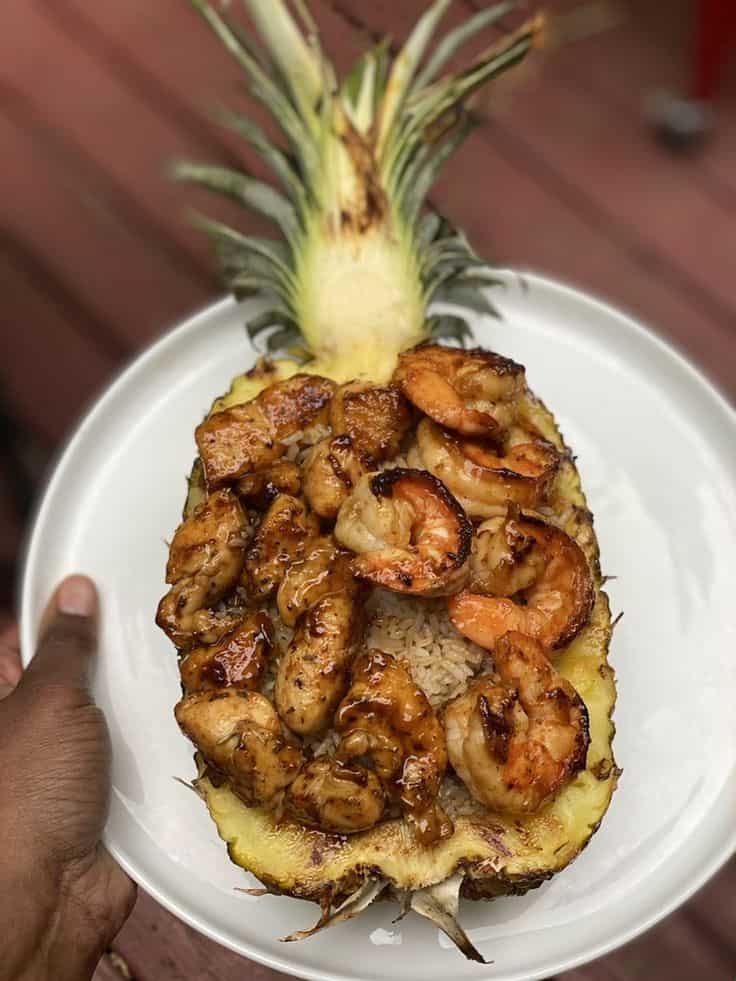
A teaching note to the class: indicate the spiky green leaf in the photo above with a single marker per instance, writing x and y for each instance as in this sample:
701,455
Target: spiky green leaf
461,35
275,255
421,177
253,194
281,340
449,327
293,56
463,295
268,319
266,91
403,72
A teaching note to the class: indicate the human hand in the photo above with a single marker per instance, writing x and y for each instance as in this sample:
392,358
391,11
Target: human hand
62,897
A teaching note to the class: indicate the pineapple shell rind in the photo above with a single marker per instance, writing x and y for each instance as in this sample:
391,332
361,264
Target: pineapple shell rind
499,855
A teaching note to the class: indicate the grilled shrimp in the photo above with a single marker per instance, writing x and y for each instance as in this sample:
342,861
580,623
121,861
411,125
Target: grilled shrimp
517,738
483,477
336,797
238,661
324,568
205,561
313,674
473,392
385,717
260,488
281,538
368,425
249,437
240,734
526,575
410,533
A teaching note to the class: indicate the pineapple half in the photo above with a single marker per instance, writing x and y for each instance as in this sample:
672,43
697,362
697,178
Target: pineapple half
347,287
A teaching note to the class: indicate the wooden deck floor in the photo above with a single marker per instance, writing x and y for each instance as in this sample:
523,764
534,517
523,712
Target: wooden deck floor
96,258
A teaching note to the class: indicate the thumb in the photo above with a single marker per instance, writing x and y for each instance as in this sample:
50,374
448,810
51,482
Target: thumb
68,635
10,667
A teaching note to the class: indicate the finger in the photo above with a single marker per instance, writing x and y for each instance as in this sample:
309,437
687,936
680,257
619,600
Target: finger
10,670
68,635
10,638
121,891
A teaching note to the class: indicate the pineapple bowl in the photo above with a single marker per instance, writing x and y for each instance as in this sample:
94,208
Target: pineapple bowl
385,592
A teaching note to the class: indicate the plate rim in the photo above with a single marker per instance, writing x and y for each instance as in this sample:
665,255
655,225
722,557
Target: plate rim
56,471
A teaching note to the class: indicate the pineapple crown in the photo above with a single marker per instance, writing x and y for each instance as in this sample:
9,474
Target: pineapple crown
360,158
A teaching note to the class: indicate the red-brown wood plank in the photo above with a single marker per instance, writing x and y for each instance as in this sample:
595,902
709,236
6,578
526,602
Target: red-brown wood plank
158,947
610,170
52,203
714,909
185,81
650,51
190,79
512,217
194,72
127,140
48,369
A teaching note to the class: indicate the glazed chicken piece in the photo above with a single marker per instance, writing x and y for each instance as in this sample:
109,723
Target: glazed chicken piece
528,576
238,661
205,562
313,674
281,539
331,470
517,738
473,392
410,533
323,569
260,488
337,798
484,475
375,418
249,437
387,719
240,734
368,424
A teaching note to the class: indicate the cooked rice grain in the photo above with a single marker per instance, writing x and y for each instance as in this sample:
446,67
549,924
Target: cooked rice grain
441,661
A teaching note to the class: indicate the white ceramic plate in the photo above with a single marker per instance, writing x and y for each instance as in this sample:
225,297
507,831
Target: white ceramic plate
655,447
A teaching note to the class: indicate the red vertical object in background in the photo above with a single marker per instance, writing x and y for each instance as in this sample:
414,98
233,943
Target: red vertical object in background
715,36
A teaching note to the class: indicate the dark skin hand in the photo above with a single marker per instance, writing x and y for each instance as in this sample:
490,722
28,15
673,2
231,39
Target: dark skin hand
62,897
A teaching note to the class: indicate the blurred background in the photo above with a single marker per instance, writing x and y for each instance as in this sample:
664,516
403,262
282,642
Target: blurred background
609,163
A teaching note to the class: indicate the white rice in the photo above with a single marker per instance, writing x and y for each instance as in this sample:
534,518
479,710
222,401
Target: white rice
419,632
442,662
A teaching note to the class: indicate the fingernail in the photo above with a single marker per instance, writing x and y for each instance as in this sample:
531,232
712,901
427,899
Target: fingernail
77,597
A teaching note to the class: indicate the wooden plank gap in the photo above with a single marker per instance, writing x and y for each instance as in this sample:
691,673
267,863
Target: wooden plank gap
83,30
519,152
707,178
352,20
700,919
20,110
85,322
